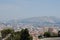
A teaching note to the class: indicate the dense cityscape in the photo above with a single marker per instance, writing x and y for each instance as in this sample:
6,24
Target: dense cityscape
36,31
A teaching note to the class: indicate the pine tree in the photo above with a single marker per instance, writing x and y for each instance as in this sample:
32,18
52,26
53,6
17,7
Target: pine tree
25,35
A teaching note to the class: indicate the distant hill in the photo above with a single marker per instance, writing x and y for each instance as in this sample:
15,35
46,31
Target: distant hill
38,21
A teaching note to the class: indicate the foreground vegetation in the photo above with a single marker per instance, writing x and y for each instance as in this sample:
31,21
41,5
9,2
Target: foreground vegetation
10,34
49,35
19,35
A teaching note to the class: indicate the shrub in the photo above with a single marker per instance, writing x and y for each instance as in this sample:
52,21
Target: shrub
47,34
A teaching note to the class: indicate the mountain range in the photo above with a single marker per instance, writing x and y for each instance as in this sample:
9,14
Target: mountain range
37,21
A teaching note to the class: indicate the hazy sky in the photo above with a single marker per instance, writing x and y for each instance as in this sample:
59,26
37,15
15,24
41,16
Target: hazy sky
11,9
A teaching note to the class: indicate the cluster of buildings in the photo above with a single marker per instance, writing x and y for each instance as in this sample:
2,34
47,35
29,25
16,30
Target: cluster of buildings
40,31
34,31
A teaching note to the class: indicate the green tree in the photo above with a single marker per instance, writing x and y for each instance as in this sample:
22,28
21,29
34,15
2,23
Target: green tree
14,36
17,35
5,32
20,35
40,36
25,35
58,33
47,34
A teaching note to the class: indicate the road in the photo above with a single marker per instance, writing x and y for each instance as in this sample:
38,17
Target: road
58,38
